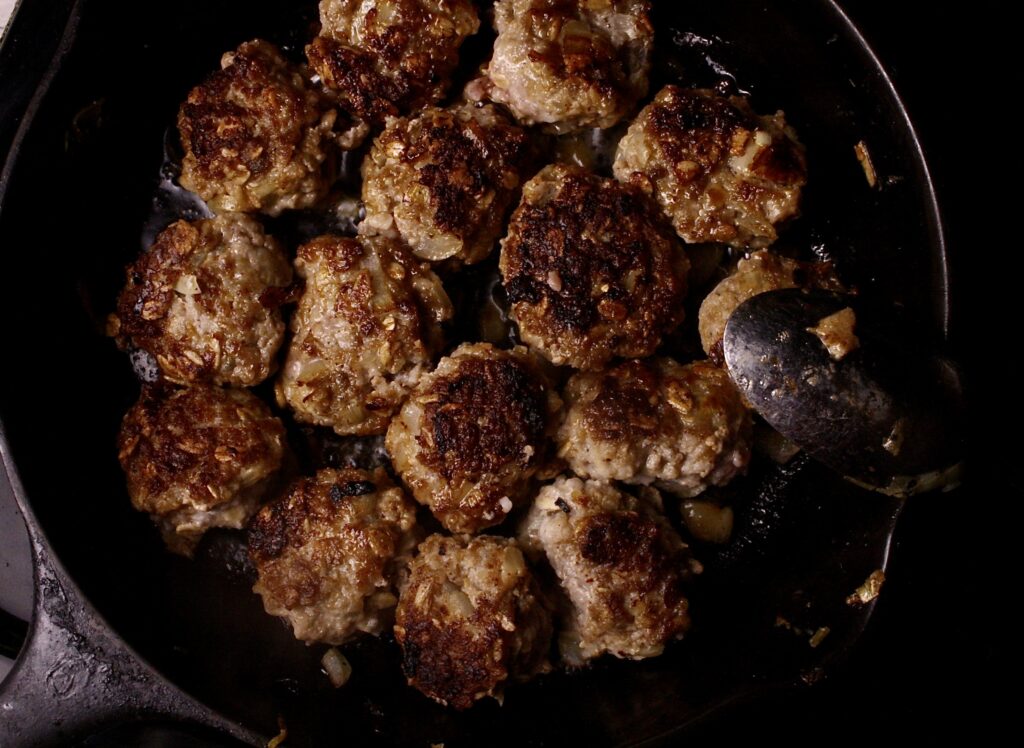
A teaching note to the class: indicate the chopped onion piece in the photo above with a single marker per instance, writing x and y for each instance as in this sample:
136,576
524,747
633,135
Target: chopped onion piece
337,667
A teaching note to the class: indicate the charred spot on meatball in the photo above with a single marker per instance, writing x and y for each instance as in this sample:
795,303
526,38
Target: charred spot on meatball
389,57
473,434
591,269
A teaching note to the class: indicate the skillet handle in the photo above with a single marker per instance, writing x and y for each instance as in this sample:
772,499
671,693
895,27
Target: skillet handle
74,676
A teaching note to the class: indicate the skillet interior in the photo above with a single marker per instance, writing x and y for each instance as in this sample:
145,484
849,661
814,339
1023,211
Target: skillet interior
81,191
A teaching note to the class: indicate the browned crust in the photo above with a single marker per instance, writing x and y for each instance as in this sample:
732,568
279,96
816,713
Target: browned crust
456,658
626,405
143,315
482,418
473,434
400,66
369,314
246,120
352,75
592,270
199,442
310,502
697,130
636,550
455,665
460,161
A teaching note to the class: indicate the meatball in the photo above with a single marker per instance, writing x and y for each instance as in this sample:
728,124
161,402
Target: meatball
591,270
256,135
382,58
470,619
569,63
720,172
198,458
444,180
621,565
472,435
205,300
759,273
329,552
682,427
366,324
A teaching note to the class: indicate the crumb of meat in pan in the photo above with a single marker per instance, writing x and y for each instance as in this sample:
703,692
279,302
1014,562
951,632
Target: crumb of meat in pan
592,270
719,171
444,180
257,136
473,434
568,63
620,564
382,58
759,273
204,301
329,552
366,325
471,619
198,458
683,428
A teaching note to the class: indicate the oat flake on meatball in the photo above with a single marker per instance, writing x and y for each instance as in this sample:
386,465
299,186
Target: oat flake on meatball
471,619
592,270
204,301
329,552
719,171
619,562
382,58
759,273
366,326
569,63
683,428
444,180
198,458
257,135
473,434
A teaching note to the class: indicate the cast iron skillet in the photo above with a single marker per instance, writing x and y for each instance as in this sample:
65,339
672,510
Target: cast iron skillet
127,620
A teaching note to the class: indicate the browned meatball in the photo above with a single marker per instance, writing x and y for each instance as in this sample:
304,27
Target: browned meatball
382,58
472,435
256,135
444,180
329,552
366,326
198,458
591,269
759,273
569,63
471,619
620,563
204,301
683,428
720,172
